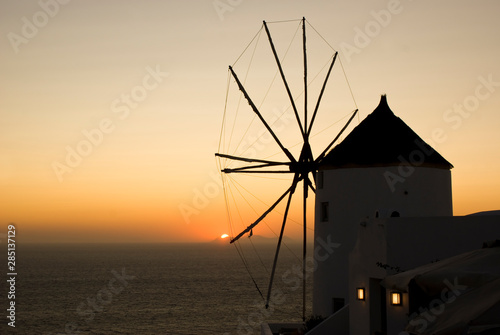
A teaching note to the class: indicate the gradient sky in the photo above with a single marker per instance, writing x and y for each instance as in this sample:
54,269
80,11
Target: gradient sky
65,71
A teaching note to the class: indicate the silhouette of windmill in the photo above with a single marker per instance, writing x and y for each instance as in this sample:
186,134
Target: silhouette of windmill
300,168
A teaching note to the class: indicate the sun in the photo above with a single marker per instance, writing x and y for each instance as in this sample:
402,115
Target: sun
224,236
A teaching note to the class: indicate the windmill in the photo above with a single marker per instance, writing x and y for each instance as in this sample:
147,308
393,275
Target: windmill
300,167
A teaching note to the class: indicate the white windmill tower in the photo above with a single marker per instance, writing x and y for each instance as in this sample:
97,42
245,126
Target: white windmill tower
382,168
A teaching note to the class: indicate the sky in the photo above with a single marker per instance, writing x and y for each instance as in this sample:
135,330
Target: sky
111,111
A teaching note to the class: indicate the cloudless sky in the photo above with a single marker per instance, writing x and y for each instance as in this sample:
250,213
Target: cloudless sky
68,67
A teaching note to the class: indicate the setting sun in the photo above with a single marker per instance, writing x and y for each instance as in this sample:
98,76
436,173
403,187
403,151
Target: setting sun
224,236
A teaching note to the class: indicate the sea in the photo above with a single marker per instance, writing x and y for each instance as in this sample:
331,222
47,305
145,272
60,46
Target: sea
201,288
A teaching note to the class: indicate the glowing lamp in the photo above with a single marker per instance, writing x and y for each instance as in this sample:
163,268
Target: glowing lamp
360,293
396,299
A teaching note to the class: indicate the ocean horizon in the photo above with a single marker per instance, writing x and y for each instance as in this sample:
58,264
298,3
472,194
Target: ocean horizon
170,288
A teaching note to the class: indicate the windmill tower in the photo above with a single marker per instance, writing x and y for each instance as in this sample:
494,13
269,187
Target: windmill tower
381,169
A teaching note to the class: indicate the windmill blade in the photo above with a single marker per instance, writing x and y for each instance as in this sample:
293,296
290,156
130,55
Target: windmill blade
309,183
321,94
320,157
263,215
305,73
304,250
284,80
314,174
280,238
250,160
256,111
247,169
255,171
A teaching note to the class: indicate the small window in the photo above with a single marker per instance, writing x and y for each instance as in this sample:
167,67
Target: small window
324,212
337,304
319,180
395,214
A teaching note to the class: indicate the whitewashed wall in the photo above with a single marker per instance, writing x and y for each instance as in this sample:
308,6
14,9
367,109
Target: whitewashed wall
353,194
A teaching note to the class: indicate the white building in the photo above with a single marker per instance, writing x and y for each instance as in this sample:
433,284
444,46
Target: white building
412,246
382,168
385,196
460,294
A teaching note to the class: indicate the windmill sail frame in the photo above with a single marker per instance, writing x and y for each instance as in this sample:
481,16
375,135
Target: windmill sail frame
301,168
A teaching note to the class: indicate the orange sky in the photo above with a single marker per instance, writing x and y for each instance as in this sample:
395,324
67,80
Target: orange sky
138,88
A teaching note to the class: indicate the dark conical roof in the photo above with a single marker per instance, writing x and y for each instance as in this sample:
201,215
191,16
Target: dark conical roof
383,139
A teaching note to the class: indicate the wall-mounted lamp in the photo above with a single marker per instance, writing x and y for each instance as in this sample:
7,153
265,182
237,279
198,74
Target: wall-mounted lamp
360,293
396,299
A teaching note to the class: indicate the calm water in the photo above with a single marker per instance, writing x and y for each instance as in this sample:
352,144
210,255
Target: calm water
148,289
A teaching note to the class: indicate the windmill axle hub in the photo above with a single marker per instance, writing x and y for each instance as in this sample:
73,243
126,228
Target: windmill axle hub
303,167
